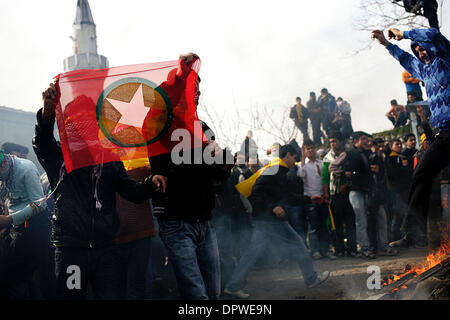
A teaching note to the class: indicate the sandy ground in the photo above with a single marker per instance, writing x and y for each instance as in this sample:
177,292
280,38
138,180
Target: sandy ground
348,278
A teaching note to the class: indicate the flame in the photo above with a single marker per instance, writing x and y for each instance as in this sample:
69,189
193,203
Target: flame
433,259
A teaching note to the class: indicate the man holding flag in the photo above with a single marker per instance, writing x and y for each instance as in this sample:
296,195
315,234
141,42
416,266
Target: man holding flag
266,190
85,170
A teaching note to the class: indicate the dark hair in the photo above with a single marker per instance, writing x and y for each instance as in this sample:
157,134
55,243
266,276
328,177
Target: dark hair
358,134
324,90
409,135
312,93
308,142
10,147
298,98
378,141
287,148
394,140
394,102
336,135
339,98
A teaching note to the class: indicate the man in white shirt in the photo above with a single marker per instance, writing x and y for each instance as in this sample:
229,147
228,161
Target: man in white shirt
310,170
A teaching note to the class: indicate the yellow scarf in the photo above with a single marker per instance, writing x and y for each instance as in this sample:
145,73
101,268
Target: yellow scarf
246,186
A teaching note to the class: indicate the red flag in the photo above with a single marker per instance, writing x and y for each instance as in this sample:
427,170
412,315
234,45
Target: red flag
124,113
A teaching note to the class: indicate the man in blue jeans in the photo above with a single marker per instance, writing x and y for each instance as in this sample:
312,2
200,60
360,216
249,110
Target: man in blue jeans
358,170
268,198
184,213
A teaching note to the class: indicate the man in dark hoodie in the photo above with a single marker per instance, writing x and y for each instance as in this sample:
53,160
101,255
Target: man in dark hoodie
85,220
184,213
268,198
432,66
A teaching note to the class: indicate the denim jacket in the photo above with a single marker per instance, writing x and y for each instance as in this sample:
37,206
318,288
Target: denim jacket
26,188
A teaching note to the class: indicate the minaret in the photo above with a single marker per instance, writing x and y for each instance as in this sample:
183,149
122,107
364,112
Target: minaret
84,40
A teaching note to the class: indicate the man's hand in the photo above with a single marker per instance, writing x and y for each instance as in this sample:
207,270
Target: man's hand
50,98
375,168
395,34
421,113
378,34
184,63
279,212
5,221
343,189
160,182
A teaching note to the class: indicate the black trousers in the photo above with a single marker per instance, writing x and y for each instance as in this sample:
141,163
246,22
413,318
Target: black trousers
433,161
344,220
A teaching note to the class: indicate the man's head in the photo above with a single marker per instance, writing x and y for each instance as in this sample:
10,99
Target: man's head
422,53
336,141
339,101
410,140
240,159
361,140
288,154
309,149
378,143
298,100
394,103
396,145
412,97
312,95
324,92
250,134
15,149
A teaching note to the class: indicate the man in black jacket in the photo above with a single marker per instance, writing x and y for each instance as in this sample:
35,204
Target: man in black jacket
268,198
184,214
358,170
85,220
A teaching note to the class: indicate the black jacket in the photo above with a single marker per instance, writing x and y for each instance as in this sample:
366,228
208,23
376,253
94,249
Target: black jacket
76,220
295,189
269,191
358,164
190,187
399,176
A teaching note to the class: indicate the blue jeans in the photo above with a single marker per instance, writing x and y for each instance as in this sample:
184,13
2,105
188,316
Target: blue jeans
192,249
359,204
225,239
99,267
134,256
297,220
265,232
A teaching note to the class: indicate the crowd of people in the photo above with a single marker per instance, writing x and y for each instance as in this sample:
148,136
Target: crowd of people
90,233
327,112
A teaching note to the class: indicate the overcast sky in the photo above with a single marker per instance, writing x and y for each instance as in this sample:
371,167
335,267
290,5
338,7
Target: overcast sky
260,52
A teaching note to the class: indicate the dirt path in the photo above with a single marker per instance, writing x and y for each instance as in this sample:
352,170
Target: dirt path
348,278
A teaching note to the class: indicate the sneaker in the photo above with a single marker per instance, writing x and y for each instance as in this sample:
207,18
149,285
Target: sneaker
368,254
321,277
387,252
238,294
317,256
330,256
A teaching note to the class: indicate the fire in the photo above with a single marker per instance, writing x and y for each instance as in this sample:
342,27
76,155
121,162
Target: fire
433,259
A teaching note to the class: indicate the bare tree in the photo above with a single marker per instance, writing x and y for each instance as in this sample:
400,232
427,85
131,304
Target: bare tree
267,123
384,14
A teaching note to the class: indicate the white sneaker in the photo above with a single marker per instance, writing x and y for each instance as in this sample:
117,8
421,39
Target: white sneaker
321,277
238,294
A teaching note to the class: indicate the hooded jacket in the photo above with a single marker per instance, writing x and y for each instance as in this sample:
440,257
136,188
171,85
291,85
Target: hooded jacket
78,219
435,75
